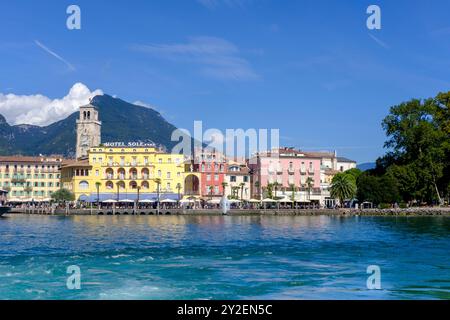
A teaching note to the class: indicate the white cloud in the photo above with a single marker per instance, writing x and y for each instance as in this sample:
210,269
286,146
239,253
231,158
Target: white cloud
41,110
217,57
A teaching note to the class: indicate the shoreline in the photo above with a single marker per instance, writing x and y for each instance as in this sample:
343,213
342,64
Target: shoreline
419,212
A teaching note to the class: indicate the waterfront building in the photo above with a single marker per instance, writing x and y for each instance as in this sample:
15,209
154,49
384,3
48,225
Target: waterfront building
330,165
237,180
287,170
125,172
211,167
284,171
30,179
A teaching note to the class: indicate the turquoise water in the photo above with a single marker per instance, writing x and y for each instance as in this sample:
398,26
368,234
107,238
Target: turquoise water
179,257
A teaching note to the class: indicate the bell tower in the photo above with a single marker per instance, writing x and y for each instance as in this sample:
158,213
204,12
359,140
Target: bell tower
88,130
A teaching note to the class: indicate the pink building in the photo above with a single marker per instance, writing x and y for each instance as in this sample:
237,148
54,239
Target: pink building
286,167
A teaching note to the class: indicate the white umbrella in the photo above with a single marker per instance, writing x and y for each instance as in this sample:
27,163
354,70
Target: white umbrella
254,201
109,201
235,201
268,200
168,201
146,201
214,201
126,201
47,200
187,201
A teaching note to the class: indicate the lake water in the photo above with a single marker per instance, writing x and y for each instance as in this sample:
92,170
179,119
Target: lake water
214,257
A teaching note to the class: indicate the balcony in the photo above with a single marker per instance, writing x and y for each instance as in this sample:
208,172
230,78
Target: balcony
291,170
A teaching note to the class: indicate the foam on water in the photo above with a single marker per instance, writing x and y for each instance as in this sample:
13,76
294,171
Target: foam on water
224,257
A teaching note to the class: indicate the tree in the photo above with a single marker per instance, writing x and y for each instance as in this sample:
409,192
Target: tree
158,191
97,186
242,185
224,185
377,190
418,137
343,187
293,190
275,185
309,185
179,191
62,195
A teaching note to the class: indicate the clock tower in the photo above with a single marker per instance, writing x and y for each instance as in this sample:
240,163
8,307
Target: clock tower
88,130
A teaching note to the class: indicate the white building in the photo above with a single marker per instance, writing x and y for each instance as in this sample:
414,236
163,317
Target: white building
237,181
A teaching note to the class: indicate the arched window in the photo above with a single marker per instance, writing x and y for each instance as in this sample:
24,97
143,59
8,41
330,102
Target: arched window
89,115
84,115
133,185
109,185
83,185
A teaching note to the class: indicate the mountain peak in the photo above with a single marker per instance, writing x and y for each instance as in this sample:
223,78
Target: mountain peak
121,121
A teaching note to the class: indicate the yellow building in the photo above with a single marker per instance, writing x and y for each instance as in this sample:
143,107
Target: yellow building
124,172
30,179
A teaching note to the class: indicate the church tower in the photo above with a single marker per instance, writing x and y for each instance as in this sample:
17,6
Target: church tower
88,130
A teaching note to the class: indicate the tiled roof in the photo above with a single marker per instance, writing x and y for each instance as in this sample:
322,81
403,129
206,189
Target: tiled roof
46,160
342,159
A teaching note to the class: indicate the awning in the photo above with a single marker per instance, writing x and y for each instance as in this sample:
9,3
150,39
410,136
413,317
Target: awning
109,201
168,201
146,201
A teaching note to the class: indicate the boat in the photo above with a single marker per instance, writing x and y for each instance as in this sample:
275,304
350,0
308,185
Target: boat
4,210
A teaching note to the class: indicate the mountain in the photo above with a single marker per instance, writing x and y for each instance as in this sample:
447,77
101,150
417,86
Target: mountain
366,166
121,121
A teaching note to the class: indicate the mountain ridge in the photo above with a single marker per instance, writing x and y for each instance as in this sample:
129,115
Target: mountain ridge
121,121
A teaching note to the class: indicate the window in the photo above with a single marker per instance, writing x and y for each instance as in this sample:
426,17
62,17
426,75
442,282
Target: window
216,177
159,173
160,161
233,178
208,177
83,185
96,173
168,175
245,178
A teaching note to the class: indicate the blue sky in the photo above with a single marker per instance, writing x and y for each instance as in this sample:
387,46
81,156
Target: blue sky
310,68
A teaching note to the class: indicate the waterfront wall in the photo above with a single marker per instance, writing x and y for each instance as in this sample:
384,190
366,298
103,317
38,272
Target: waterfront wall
285,212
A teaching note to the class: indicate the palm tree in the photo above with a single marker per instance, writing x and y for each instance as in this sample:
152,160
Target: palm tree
224,185
257,185
269,190
158,185
242,185
179,191
275,186
211,189
293,189
138,188
342,187
309,185
118,192
97,186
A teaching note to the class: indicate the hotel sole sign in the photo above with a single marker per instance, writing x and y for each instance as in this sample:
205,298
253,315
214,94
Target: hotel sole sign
129,144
